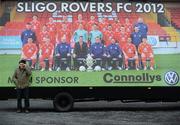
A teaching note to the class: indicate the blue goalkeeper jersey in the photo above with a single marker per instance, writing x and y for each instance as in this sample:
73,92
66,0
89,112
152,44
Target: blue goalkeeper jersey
93,34
79,33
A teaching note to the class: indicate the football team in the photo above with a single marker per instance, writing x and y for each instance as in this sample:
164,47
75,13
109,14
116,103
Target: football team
65,45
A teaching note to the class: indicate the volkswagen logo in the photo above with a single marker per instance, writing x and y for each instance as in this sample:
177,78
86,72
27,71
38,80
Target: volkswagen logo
171,78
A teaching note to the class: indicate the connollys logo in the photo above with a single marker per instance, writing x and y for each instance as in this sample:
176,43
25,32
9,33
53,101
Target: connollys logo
122,78
171,78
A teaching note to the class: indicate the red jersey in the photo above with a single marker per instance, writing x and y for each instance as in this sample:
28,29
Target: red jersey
121,37
116,26
103,26
52,31
128,28
35,26
90,24
76,24
129,49
41,35
68,25
65,32
47,49
145,48
107,37
29,50
51,27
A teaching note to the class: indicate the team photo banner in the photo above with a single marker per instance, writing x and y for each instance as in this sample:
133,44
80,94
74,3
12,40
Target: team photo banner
90,7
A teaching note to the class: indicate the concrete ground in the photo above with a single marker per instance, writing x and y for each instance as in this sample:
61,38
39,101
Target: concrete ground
92,113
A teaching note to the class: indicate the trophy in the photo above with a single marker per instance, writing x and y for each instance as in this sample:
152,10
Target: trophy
89,61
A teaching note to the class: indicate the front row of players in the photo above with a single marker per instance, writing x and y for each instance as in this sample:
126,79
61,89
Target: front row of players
110,57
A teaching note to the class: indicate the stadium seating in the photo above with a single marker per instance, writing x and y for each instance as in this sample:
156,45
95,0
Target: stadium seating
173,34
15,27
175,16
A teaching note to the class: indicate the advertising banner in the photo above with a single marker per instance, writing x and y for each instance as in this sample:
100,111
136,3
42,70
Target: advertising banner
92,44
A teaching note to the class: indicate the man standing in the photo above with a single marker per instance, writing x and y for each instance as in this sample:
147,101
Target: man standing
143,28
121,36
108,35
21,79
136,37
52,29
95,33
80,32
27,33
35,24
64,31
42,34
90,23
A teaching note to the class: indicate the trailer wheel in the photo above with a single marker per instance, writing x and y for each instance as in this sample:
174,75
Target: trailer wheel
63,102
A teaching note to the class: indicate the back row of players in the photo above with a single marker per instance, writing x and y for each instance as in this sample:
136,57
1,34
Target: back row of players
111,41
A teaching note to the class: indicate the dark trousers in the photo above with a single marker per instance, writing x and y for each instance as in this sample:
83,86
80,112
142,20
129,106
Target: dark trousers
114,63
23,93
66,62
78,61
59,62
101,62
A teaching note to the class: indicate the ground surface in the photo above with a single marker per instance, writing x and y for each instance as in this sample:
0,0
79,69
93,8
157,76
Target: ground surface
92,113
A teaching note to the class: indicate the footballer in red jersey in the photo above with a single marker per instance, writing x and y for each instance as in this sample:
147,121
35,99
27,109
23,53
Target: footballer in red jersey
64,31
52,28
91,23
46,52
29,51
130,52
128,26
35,24
79,21
146,52
42,34
116,25
121,36
103,24
108,35
65,21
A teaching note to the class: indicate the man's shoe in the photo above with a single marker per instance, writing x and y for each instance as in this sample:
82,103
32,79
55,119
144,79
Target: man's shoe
151,68
68,69
145,68
109,68
18,111
50,69
26,111
119,68
103,69
58,69
42,69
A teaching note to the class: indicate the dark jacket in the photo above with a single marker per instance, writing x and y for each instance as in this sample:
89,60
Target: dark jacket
81,52
21,77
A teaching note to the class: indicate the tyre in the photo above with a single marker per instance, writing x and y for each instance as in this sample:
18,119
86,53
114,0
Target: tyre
63,102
